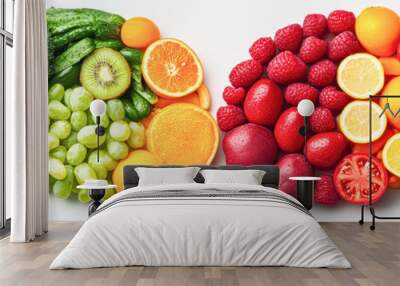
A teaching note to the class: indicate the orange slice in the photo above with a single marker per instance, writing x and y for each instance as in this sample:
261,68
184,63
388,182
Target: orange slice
183,134
171,68
191,98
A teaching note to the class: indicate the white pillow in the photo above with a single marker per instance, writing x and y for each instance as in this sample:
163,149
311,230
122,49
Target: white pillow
166,176
248,177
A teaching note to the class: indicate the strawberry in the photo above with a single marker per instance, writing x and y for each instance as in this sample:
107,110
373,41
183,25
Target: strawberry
322,120
229,117
340,21
333,99
245,73
298,91
312,49
325,193
289,38
234,96
286,68
322,73
343,45
263,50
314,25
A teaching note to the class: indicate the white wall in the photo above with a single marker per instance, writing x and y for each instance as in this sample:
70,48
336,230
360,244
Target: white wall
221,31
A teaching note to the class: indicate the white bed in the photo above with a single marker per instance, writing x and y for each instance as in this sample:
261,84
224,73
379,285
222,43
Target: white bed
267,229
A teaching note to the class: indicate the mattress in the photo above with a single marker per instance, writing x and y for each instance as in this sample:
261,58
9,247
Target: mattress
201,225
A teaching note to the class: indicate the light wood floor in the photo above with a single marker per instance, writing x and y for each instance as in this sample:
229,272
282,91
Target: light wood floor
375,257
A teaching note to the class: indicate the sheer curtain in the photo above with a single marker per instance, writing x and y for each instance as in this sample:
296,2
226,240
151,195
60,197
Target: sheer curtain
26,120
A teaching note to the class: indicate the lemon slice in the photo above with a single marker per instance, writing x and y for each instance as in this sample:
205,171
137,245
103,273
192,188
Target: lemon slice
360,75
354,121
391,155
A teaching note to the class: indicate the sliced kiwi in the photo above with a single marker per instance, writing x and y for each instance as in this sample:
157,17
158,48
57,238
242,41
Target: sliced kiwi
106,74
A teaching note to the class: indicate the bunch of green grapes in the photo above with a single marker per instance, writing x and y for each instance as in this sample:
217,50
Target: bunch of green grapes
72,141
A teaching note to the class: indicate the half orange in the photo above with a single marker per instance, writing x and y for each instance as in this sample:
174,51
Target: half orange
171,68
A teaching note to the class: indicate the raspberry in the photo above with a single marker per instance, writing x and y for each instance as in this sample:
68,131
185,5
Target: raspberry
340,21
322,120
312,49
325,193
343,45
234,96
333,99
245,73
322,73
314,25
296,92
263,50
286,68
289,38
229,117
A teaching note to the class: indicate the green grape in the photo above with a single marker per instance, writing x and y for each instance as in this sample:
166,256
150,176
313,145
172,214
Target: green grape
90,118
117,150
61,128
78,120
104,120
84,172
98,167
52,141
56,92
58,111
115,109
70,140
83,196
104,160
57,169
88,137
67,96
76,154
59,153
120,131
62,189
80,99
138,137
108,194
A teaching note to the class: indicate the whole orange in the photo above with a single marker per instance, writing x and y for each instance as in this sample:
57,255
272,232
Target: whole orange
392,88
378,30
139,32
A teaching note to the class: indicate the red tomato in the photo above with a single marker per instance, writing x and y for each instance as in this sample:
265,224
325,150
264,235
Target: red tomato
351,179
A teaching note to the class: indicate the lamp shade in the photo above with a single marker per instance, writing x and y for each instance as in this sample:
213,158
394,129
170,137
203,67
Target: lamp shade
305,107
98,107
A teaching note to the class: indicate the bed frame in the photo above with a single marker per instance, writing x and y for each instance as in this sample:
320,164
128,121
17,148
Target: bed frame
271,177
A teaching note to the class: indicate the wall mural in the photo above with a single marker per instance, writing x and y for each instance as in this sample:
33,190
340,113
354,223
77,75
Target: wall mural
158,104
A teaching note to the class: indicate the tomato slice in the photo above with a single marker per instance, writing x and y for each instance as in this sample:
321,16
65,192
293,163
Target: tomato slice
351,179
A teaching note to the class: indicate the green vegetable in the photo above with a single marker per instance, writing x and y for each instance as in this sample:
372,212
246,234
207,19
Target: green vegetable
62,189
61,129
141,105
59,153
74,54
138,87
120,131
103,16
88,137
84,172
56,92
105,160
62,40
65,27
105,30
70,140
58,111
68,77
52,141
78,120
111,43
57,169
76,154
138,137
115,109
133,56
51,55
80,99
117,150
130,110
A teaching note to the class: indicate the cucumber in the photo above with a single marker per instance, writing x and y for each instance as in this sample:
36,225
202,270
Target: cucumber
74,54
106,31
102,16
130,110
141,104
69,77
51,56
138,86
113,44
133,56
63,40
70,25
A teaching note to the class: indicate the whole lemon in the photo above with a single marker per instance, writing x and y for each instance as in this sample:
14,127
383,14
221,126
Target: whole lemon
378,30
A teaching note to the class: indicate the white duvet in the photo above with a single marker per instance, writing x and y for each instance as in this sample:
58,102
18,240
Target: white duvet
200,231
